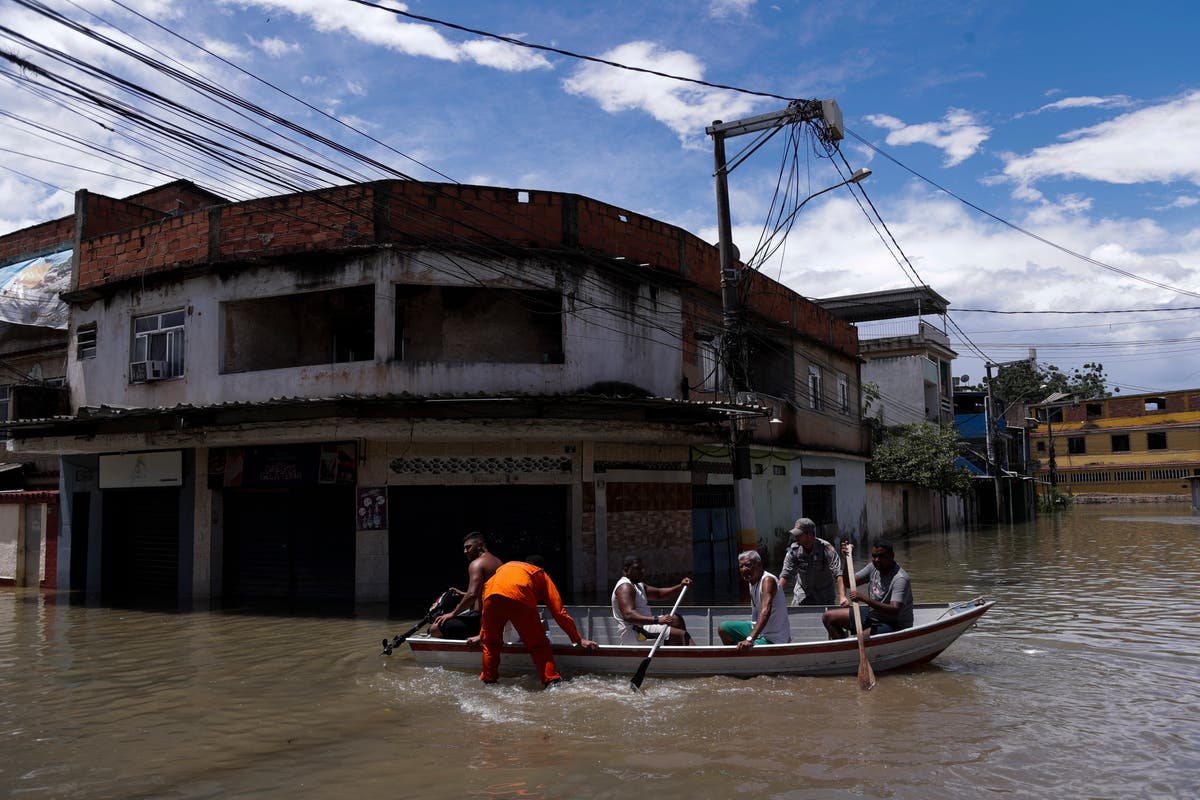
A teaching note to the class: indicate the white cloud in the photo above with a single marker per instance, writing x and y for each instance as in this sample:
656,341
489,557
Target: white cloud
1184,201
355,88
729,8
224,49
382,29
275,47
958,134
977,263
502,56
1112,101
1154,144
1087,101
684,108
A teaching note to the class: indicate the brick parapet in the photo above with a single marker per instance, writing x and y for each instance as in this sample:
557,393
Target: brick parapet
420,214
37,240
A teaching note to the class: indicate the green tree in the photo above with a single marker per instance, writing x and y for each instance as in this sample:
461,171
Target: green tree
1030,382
923,454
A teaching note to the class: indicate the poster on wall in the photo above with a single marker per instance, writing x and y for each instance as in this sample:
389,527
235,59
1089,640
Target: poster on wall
372,508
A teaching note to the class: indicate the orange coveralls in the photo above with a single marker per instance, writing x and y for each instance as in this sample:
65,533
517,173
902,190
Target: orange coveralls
512,594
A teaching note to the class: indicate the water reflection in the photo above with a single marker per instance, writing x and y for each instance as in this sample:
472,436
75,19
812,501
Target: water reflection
1081,682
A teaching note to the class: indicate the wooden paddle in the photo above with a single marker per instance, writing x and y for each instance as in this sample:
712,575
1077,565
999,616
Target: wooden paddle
866,675
640,675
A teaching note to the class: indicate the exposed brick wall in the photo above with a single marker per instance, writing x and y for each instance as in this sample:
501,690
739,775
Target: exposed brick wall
662,537
177,197
409,212
18,245
101,215
1126,407
653,520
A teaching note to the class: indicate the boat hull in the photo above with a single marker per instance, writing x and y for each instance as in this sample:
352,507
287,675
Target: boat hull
932,634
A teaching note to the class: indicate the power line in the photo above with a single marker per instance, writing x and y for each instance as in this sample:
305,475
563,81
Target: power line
569,54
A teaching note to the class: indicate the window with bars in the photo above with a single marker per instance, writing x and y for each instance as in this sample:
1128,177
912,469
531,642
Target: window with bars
814,388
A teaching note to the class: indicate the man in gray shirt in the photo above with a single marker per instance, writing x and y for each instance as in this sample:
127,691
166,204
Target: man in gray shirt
815,566
887,604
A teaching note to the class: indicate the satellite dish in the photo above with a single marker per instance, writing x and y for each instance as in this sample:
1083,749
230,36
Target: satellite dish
965,379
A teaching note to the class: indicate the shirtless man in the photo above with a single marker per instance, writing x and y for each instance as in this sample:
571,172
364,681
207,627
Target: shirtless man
463,621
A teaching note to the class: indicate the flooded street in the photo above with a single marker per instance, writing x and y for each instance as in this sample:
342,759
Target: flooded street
1081,683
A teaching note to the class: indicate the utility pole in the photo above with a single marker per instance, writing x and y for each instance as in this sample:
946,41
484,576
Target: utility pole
989,421
733,341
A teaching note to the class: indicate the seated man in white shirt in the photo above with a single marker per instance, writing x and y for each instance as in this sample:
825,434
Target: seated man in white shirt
631,607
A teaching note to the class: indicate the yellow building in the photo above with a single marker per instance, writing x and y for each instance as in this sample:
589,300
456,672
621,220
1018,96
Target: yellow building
1141,444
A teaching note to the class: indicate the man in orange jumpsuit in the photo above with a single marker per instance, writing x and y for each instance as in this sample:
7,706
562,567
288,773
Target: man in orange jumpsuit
512,594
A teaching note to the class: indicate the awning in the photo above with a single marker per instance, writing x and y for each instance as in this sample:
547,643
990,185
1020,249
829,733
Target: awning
29,291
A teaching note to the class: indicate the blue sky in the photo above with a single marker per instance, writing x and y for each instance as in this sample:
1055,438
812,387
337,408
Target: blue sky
1074,121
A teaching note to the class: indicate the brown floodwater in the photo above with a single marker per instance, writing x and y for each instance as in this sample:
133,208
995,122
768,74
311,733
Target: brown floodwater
1083,682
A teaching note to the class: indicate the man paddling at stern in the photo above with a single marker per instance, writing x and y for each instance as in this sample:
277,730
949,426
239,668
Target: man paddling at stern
888,604
512,595
463,621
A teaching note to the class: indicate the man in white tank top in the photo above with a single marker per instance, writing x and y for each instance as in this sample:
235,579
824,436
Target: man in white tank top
768,608
631,607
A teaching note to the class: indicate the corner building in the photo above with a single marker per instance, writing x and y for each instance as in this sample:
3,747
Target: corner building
310,398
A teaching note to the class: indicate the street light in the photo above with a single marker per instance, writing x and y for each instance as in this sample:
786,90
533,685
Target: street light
858,176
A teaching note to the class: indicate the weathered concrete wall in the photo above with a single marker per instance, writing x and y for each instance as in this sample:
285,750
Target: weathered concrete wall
606,338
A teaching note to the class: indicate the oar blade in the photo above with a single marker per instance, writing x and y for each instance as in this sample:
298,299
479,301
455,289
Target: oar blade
635,683
866,675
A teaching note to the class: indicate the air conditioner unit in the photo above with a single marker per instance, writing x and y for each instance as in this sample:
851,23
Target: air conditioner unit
156,370
145,371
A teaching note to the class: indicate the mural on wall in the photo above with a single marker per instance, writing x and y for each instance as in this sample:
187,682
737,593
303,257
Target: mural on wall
29,291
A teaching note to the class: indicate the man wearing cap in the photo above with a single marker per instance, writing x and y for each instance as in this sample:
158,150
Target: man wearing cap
815,566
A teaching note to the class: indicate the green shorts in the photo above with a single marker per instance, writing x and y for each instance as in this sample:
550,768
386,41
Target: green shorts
738,630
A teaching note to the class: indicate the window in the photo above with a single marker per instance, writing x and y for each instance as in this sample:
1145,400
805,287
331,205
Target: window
814,388
1120,443
1156,404
157,346
709,361
1076,445
4,401
1156,440
85,341
843,386
1041,447
1095,409
818,504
